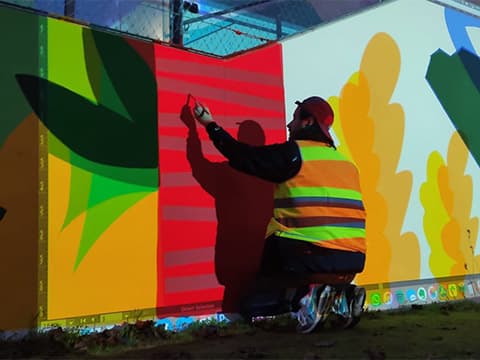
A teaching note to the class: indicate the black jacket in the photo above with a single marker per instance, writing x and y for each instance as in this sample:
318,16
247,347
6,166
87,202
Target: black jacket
276,163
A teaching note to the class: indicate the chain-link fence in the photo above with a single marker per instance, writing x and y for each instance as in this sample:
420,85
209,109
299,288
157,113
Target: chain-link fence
226,31
222,28
148,19
217,27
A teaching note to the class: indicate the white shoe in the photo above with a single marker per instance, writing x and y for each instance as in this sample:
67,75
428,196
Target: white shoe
358,301
312,309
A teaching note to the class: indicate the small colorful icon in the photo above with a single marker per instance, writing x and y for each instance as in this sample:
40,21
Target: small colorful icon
375,299
411,295
442,292
470,290
387,298
422,294
433,292
452,290
400,296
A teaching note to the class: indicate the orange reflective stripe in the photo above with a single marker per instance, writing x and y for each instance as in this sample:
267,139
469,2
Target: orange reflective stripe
328,176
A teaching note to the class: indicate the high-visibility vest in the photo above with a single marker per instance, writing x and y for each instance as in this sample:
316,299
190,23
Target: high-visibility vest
322,204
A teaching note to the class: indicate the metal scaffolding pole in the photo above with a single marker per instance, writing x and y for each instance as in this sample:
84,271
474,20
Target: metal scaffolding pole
69,8
177,22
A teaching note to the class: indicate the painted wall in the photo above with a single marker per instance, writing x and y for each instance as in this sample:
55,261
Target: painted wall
405,100
212,217
92,180
119,208
19,173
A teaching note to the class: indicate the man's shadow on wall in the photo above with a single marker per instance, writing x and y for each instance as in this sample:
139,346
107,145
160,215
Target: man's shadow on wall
243,207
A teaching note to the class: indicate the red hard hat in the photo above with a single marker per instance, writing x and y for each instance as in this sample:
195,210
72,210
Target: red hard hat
321,111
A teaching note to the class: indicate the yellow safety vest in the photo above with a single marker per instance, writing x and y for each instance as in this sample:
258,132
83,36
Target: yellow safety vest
322,204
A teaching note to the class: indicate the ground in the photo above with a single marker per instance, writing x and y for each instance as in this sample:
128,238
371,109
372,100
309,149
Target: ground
437,331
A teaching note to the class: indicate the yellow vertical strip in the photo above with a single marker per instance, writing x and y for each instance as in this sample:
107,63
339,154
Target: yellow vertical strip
43,185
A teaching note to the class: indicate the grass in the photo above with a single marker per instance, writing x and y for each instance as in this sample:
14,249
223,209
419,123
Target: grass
437,331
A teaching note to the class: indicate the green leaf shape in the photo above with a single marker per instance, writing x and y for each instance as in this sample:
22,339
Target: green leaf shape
103,189
66,58
88,190
100,82
80,181
130,75
455,81
100,217
20,54
141,177
92,131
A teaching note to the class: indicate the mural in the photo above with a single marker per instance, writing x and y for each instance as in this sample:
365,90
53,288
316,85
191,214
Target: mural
364,108
458,89
121,208
448,192
212,217
391,124
450,231
19,172
102,170
119,229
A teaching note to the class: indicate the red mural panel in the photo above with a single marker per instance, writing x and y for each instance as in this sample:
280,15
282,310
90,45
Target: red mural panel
212,218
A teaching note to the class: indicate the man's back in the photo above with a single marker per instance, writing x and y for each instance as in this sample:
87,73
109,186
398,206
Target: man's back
322,204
